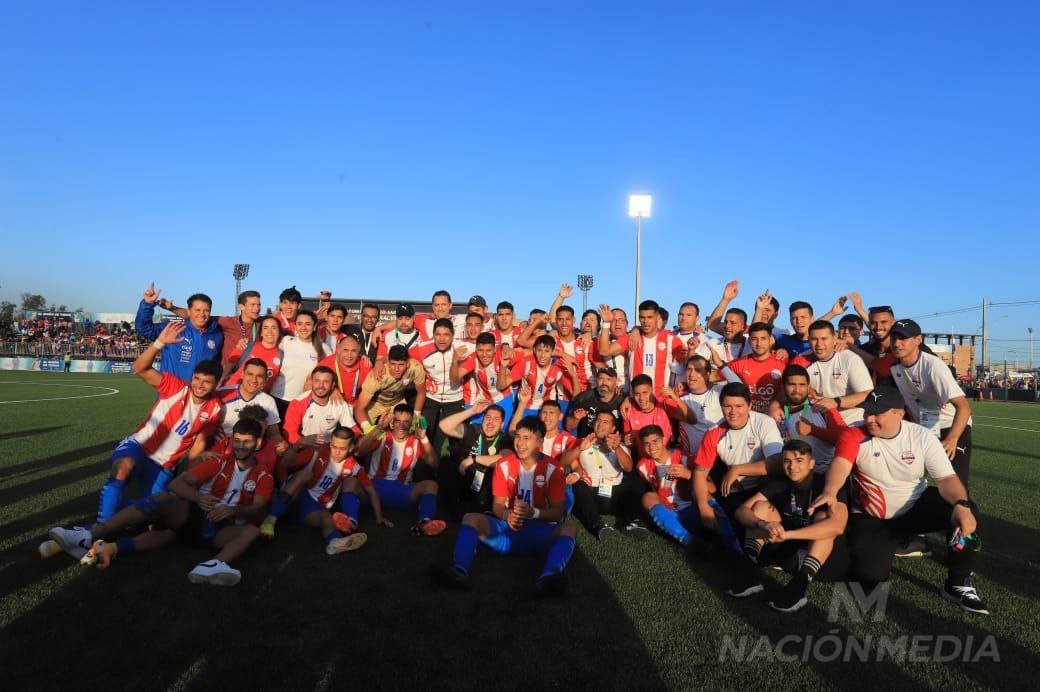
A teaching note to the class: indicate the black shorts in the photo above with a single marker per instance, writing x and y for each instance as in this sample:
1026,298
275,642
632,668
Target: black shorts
197,530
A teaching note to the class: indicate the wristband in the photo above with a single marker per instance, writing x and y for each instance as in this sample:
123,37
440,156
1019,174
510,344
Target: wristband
158,345
837,402
536,513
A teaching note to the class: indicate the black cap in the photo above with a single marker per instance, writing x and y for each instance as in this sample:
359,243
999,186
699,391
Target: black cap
478,301
882,399
906,328
405,310
607,370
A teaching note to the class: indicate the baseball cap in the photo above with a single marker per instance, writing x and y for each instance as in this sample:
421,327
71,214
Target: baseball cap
882,399
607,370
478,301
405,310
906,328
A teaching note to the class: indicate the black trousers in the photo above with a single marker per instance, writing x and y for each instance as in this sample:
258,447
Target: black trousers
962,459
446,475
873,541
624,501
789,556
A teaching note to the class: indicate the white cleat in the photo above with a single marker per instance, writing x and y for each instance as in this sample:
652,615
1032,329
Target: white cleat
75,541
345,544
214,572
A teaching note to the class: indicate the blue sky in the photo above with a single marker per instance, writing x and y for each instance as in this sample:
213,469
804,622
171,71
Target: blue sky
809,148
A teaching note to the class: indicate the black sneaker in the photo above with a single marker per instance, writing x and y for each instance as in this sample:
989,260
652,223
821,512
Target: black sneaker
450,577
636,531
550,585
602,531
965,595
914,546
747,582
791,597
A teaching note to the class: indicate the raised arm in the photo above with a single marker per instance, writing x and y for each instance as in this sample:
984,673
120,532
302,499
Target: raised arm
142,367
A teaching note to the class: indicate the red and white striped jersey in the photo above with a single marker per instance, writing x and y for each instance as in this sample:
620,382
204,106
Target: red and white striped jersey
437,364
482,380
584,355
538,486
888,474
395,461
395,337
175,420
654,356
554,447
674,493
327,476
508,336
232,485
550,382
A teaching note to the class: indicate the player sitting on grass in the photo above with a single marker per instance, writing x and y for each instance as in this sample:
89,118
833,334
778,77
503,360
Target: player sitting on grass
216,502
391,465
670,501
528,491
185,414
326,478
781,532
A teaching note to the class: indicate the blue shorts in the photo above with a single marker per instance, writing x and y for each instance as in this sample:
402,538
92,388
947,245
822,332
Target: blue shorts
534,539
304,506
151,477
392,494
690,517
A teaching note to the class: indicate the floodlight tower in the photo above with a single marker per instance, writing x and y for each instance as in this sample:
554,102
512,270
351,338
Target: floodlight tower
240,272
639,209
585,284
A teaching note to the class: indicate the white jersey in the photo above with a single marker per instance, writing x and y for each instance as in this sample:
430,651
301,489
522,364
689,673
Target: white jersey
888,474
322,420
707,408
439,386
600,469
843,373
704,349
234,403
298,360
756,441
927,386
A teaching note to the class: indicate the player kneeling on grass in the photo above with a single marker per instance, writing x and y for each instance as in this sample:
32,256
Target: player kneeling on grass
216,502
328,476
779,531
391,465
670,501
528,492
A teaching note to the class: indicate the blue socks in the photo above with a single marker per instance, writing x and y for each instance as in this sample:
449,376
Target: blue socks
466,548
726,533
668,521
350,504
559,555
125,546
111,499
427,506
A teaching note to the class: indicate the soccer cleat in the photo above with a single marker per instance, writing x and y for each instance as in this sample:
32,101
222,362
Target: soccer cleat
75,541
345,544
914,546
791,597
100,554
450,577
603,532
636,531
267,527
343,522
747,582
214,572
429,527
550,585
966,595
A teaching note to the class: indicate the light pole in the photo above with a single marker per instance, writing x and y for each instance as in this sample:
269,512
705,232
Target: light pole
585,284
639,209
240,272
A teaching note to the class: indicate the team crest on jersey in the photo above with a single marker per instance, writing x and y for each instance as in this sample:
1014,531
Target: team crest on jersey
662,346
539,481
775,374
211,343
750,444
204,416
249,486
408,451
276,360
329,419
836,375
908,457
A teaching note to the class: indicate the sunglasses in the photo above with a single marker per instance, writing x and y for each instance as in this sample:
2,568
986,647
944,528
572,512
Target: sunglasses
880,308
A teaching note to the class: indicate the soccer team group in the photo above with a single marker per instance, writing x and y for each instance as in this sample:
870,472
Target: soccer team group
808,448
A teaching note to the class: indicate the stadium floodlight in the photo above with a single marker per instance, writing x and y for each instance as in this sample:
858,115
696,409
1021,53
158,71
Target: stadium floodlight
639,209
585,284
240,272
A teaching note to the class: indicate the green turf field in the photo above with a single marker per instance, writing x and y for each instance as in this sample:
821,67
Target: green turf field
636,615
